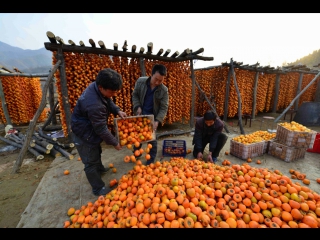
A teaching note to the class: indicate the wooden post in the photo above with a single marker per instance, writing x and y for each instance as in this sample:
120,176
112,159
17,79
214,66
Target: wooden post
226,98
142,67
193,94
239,98
296,104
33,121
276,94
4,105
51,100
64,92
255,89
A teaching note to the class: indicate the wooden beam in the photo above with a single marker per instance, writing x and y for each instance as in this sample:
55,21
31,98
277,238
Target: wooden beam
52,37
93,44
91,50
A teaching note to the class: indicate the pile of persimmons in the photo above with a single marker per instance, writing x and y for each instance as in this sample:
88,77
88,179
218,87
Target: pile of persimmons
183,193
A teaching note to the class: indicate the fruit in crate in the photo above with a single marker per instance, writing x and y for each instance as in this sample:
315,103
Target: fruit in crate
254,137
294,126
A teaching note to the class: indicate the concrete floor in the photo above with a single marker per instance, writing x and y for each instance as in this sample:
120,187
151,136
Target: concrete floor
57,192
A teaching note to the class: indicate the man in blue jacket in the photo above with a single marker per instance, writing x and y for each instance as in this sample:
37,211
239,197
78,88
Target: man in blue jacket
150,97
89,125
208,129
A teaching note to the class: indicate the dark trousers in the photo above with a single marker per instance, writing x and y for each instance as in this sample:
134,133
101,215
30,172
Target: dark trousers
153,151
91,158
222,139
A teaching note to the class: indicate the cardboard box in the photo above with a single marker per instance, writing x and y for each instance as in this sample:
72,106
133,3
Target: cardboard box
295,138
285,152
245,151
150,125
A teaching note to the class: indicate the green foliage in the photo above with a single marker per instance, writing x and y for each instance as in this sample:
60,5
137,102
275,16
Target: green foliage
310,61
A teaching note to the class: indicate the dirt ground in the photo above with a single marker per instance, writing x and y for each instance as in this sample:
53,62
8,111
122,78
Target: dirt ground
18,189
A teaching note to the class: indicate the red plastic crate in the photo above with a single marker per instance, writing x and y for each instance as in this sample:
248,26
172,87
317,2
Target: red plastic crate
316,145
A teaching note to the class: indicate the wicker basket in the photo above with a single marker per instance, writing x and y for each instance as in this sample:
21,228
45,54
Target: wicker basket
245,151
284,152
294,138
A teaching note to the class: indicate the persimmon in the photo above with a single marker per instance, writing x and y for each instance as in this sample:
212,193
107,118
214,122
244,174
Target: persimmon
66,172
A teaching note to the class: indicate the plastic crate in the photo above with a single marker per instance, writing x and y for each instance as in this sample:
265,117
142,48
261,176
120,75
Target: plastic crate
151,117
245,151
174,148
316,145
284,152
294,138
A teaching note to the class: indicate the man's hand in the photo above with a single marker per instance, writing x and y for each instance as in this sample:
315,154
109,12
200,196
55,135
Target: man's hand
199,156
139,111
118,147
209,159
122,114
155,125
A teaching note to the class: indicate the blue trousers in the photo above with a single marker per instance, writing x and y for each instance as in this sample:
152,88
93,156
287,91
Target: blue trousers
91,158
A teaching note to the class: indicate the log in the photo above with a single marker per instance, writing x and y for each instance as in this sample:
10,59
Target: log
166,53
185,53
34,120
71,42
42,134
133,49
101,44
149,47
198,51
93,44
60,40
115,46
175,54
82,44
141,50
53,128
55,153
51,37
41,149
125,45
42,143
160,52
63,152
18,145
22,138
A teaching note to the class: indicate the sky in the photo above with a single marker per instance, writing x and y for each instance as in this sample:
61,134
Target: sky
271,39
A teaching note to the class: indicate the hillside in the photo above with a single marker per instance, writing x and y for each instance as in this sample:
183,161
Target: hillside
310,61
27,61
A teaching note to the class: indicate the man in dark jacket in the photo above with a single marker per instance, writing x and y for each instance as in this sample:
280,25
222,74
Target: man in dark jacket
89,125
150,97
208,129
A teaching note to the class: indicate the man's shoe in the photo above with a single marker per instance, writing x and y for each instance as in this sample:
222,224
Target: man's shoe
104,170
215,160
105,190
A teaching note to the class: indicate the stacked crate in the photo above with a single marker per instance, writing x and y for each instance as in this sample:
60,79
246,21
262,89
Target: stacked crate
291,145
